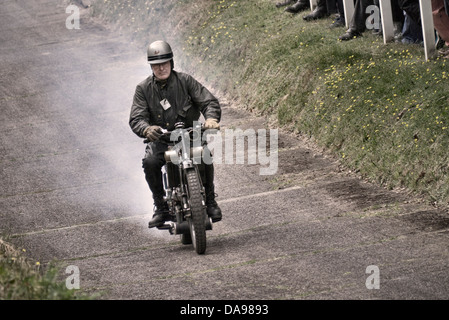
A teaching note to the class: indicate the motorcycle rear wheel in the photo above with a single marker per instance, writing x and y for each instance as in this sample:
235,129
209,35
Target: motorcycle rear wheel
197,220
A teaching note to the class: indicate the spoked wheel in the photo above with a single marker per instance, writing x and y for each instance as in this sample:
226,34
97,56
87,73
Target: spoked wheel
196,221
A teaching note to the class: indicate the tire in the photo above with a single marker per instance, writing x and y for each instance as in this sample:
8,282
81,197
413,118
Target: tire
197,221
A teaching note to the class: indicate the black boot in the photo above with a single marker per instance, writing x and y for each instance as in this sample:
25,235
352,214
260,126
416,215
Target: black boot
160,214
319,12
213,210
284,3
349,35
298,6
338,22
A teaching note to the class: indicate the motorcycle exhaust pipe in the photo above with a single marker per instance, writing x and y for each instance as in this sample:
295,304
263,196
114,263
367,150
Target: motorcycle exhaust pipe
208,223
180,228
183,227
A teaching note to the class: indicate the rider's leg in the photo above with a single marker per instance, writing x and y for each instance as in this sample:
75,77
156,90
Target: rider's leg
152,164
213,210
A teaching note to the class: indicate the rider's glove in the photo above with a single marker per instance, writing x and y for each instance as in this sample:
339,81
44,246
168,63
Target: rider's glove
211,124
152,133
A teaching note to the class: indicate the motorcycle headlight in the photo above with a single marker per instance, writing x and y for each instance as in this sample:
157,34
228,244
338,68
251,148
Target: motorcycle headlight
196,154
170,154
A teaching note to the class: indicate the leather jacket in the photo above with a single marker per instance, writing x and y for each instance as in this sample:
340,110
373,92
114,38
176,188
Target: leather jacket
187,100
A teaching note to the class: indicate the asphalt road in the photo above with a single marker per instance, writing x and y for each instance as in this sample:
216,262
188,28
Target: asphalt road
72,190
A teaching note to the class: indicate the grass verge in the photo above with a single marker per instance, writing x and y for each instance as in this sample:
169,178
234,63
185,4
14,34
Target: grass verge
22,280
381,109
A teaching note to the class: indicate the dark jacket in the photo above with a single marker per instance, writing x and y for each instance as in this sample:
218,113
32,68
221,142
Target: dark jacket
187,97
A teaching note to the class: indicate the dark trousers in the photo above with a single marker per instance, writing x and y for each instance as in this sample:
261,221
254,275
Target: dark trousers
335,6
331,6
152,164
412,9
358,20
411,31
397,11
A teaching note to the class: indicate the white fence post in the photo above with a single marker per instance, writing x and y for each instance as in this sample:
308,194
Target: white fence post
387,20
349,11
427,28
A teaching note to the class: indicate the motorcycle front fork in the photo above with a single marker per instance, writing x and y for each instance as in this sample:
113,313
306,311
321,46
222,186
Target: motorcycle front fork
175,198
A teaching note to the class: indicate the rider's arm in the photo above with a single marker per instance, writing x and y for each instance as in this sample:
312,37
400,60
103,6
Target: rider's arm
139,116
208,104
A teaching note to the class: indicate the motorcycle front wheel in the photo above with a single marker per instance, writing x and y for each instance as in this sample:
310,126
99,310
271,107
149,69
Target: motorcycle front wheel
197,220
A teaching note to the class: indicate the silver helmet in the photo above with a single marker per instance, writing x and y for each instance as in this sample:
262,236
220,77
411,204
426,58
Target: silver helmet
159,52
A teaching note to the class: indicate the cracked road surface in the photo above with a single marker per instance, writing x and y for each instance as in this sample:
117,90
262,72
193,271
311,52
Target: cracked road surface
72,190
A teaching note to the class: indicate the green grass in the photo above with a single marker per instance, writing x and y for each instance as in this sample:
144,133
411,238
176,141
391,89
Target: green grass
380,108
21,279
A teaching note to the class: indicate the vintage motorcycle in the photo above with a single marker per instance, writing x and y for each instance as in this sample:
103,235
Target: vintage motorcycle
182,175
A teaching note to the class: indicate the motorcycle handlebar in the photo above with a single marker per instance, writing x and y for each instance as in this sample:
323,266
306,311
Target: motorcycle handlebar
166,135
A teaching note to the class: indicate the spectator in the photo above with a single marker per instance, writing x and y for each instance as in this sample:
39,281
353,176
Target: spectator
340,18
324,8
398,19
440,17
358,21
412,9
319,12
411,31
440,20
397,12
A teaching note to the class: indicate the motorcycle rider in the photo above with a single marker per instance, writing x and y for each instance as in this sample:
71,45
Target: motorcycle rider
161,100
